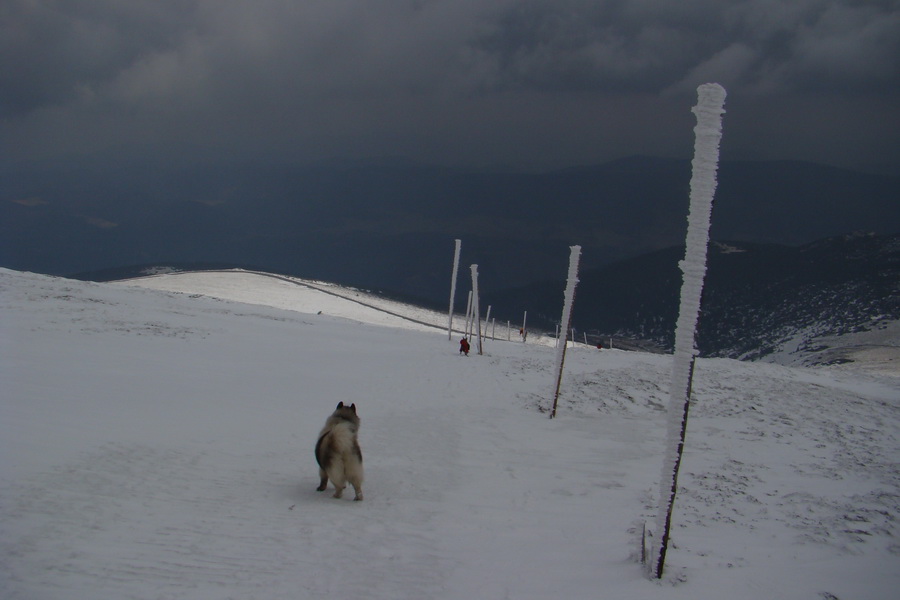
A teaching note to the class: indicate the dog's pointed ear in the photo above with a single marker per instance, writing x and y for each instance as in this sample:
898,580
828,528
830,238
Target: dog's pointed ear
353,408
340,405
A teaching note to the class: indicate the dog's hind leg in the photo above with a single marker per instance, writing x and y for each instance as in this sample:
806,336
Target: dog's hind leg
357,487
355,471
338,478
355,477
323,483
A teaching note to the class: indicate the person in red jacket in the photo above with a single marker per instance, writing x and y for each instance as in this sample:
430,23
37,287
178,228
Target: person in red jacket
464,346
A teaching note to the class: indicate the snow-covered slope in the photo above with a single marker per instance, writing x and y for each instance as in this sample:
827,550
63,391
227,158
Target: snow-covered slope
319,297
292,293
160,445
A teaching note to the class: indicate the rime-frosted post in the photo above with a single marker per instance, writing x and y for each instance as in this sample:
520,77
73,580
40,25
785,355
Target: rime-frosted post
453,288
708,134
468,313
566,321
476,313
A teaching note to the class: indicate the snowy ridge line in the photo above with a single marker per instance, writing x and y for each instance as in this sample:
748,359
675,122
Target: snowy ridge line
360,302
324,290
311,286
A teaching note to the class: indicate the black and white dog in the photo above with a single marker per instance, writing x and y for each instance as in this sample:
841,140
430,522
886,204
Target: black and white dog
338,453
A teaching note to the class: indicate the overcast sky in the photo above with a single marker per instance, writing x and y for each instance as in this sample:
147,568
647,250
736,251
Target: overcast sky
533,83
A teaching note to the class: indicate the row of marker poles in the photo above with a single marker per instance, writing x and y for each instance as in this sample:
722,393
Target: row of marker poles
572,332
709,110
472,311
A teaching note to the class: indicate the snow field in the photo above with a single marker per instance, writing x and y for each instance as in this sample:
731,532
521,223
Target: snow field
160,445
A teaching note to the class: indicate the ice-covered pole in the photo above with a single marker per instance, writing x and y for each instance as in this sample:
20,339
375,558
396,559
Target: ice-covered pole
453,288
566,321
708,134
476,312
468,314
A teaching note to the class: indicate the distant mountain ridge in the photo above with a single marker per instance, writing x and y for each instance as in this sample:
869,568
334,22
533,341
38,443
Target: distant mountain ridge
758,299
392,226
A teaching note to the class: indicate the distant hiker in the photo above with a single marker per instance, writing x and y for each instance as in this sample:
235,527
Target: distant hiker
464,346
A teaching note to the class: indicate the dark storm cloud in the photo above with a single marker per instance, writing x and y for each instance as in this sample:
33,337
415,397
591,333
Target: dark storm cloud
550,81
650,46
51,52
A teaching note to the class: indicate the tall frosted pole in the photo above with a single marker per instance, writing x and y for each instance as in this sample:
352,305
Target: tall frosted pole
708,134
566,321
453,288
468,314
476,313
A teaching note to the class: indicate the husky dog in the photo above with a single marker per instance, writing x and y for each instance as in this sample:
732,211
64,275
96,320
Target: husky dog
338,453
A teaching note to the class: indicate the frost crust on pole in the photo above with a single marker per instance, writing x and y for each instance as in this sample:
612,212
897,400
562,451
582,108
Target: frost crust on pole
571,282
476,312
453,288
708,134
468,330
